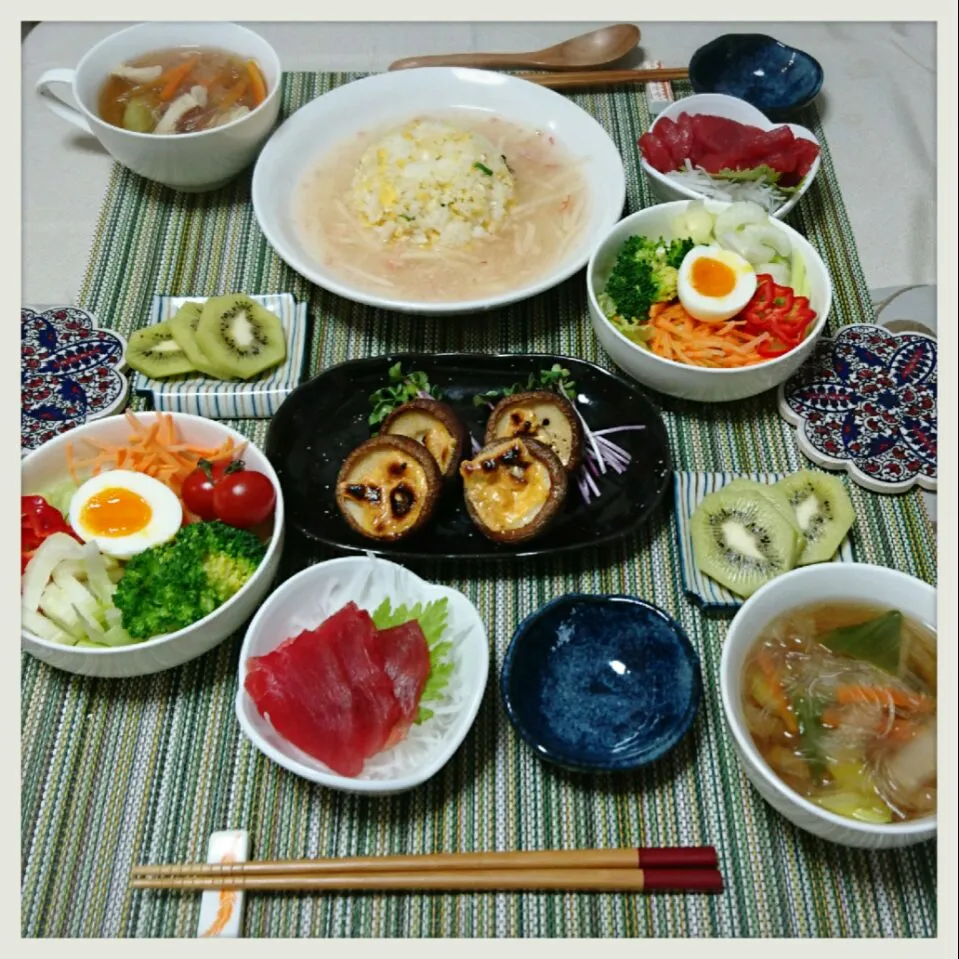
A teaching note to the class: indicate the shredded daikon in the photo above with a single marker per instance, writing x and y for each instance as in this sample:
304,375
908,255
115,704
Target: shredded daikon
760,191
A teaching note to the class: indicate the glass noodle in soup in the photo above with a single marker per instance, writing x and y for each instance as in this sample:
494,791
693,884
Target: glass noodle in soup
840,700
443,208
181,90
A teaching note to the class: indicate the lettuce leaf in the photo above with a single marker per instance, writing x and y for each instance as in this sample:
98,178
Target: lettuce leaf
433,619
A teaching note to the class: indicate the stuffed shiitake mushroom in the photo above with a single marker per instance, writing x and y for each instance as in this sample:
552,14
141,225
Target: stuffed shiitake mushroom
543,416
513,488
388,487
433,425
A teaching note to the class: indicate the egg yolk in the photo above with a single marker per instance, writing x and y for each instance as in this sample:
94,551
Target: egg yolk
115,512
712,277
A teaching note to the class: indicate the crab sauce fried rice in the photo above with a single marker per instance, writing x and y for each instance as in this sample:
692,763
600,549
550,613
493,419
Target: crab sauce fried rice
443,209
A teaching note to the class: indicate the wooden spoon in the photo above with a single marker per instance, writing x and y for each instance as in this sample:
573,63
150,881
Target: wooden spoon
594,49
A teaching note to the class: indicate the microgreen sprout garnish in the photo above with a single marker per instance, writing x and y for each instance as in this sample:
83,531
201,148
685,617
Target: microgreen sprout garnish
404,387
602,454
556,378
483,168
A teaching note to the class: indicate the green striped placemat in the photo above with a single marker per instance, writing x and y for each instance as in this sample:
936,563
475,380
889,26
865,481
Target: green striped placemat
120,772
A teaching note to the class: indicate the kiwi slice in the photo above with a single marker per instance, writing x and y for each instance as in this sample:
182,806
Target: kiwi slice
183,326
742,539
823,510
778,499
238,335
155,353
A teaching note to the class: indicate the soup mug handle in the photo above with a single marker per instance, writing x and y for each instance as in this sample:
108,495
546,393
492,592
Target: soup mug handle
51,97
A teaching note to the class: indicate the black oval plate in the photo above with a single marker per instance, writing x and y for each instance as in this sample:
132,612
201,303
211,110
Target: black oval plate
321,421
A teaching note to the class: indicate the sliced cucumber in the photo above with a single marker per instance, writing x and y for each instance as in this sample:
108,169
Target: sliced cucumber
797,277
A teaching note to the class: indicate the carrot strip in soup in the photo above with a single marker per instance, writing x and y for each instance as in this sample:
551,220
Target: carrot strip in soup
234,93
175,76
847,695
770,674
257,82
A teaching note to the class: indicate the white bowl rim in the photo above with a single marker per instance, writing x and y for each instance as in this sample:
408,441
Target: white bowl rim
154,641
332,780
272,94
746,106
817,327
430,308
926,824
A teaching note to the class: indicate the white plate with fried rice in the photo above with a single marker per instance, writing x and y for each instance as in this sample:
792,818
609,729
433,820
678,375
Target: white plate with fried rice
438,190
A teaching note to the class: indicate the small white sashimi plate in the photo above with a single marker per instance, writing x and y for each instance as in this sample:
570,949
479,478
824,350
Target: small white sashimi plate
732,108
311,596
394,98
258,398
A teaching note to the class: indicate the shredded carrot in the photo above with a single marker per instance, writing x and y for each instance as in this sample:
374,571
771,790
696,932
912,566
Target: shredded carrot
721,344
152,449
174,77
256,82
883,695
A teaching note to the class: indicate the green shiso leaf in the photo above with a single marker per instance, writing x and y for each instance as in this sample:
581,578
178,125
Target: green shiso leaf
433,619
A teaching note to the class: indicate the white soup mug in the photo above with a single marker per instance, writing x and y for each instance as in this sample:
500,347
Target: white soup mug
192,162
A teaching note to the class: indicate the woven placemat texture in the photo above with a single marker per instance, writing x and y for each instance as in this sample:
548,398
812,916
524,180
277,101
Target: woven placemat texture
122,772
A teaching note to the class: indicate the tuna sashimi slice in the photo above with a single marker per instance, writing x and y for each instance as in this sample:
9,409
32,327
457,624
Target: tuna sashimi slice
657,156
407,656
326,691
376,711
407,662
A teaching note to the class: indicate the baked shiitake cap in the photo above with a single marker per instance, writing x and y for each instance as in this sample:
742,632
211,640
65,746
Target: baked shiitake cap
388,487
514,488
435,426
543,416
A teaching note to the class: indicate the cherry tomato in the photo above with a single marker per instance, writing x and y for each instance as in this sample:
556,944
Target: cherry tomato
197,491
243,499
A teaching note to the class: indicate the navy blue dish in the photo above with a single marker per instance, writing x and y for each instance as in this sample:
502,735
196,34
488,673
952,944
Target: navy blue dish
600,683
773,77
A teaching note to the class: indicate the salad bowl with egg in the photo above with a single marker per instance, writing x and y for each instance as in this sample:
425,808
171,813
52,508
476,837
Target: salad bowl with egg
146,540
706,300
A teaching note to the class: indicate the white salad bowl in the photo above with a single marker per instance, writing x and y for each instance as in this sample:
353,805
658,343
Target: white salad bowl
46,467
393,98
680,379
843,582
732,108
311,596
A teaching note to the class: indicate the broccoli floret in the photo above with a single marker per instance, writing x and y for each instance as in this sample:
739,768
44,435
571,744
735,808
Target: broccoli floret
173,585
645,272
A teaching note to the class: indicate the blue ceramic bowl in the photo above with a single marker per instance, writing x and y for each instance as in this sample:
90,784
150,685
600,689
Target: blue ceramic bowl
600,683
766,73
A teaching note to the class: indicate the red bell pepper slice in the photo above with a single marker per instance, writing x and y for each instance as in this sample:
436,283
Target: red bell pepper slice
38,520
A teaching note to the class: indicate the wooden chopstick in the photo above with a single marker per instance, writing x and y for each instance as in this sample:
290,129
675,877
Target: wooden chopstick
463,880
592,78
685,857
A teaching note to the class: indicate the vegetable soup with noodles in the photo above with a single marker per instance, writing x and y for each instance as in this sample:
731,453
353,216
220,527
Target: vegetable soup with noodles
444,208
840,700
181,90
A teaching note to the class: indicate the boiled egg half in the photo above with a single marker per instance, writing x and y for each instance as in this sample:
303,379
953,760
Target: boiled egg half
125,512
714,284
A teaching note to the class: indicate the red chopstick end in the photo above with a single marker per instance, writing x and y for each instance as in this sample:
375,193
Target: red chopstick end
683,880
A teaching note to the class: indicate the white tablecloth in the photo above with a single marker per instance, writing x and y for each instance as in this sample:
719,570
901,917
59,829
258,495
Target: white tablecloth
877,104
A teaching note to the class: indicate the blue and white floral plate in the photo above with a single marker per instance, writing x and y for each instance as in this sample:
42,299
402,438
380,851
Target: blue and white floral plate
258,398
865,402
69,372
